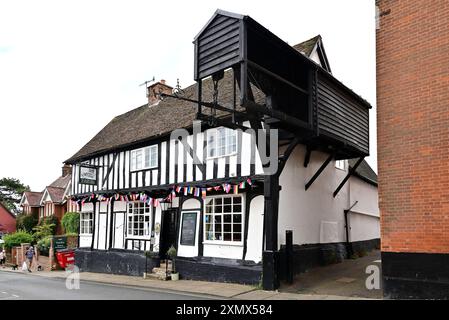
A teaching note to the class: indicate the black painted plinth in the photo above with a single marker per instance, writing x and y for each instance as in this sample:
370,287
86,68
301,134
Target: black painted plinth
113,262
219,270
415,275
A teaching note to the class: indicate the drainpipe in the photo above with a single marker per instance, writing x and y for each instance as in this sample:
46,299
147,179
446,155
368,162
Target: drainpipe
348,244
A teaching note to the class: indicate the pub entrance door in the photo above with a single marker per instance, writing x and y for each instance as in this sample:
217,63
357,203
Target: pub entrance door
168,232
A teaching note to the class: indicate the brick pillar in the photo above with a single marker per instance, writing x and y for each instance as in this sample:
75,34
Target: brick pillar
413,146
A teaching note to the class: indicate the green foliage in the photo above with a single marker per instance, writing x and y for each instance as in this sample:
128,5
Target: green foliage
44,245
71,234
71,222
11,191
26,222
17,238
50,220
42,231
172,254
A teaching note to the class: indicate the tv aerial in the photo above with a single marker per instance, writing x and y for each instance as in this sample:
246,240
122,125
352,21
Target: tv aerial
146,85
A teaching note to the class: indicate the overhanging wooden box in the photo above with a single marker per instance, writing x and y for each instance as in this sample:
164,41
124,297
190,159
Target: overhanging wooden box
301,97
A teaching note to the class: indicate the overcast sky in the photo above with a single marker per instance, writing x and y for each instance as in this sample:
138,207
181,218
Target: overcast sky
68,67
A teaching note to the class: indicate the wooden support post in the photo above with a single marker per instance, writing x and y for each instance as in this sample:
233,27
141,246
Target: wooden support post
289,254
307,157
323,166
271,253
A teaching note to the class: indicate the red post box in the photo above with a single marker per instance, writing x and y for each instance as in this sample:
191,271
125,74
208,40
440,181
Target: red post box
65,258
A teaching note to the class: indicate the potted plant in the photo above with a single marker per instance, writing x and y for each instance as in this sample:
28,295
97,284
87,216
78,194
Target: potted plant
172,254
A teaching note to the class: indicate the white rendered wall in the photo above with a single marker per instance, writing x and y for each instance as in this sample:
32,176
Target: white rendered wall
315,216
364,218
255,231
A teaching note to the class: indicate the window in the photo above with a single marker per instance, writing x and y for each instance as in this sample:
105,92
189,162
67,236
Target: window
221,142
223,219
139,219
340,164
144,158
86,222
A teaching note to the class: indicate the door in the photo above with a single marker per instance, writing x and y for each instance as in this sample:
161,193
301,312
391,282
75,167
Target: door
168,232
119,230
102,229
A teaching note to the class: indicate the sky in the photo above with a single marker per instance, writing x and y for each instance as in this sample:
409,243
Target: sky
68,67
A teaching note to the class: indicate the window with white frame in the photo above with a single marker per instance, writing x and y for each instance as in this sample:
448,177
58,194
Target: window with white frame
221,142
223,218
340,164
144,158
86,222
139,214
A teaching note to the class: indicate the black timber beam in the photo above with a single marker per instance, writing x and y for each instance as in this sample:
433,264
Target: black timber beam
307,157
350,173
283,159
320,170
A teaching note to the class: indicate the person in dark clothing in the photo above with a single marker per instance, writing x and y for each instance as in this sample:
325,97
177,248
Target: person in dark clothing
29,256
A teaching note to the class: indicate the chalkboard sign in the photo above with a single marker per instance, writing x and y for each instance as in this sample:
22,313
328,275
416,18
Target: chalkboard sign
188,229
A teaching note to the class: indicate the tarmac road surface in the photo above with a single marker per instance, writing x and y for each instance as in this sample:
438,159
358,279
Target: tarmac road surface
18,286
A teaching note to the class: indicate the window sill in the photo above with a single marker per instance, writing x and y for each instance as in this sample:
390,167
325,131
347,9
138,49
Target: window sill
223,243
224,156
144,169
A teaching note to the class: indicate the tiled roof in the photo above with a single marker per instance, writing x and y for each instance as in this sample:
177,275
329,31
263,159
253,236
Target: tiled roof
306,47
61,182
56,194
364,171
33,198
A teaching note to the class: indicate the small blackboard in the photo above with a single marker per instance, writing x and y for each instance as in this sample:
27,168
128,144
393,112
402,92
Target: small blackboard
60,243
188,228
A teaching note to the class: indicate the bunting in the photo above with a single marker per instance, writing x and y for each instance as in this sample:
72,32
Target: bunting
173,193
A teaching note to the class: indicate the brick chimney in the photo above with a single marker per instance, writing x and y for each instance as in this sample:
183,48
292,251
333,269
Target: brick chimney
66,169
154,91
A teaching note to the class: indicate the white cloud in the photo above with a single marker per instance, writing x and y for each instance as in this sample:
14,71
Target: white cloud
67,68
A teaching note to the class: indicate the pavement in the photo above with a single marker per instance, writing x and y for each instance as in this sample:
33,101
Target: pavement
344,281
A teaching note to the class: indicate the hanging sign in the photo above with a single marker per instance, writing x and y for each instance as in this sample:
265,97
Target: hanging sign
88,175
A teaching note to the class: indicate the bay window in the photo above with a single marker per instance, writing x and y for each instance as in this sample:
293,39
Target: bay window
223,219
139,214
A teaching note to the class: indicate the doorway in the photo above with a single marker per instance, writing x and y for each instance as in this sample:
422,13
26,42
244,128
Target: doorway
168,233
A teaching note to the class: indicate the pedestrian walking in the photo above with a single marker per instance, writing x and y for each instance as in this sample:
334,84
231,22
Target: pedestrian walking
29,256
2,257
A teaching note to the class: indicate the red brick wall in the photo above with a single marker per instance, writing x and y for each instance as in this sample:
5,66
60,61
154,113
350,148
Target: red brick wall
7,221
413,125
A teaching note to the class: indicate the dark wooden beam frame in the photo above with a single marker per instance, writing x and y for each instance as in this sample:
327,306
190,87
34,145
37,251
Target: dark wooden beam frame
350,173
319,171
307,156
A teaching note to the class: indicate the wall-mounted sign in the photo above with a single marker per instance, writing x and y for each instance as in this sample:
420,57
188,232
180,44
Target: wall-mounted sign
188,228
88,175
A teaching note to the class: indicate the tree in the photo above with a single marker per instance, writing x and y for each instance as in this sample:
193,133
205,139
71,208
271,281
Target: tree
11,191
71,222
26,222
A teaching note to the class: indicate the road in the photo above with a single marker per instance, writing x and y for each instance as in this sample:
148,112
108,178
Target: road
18,286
